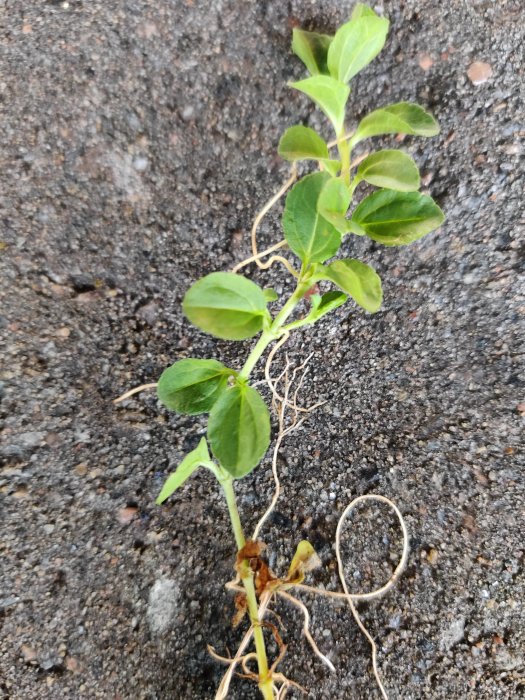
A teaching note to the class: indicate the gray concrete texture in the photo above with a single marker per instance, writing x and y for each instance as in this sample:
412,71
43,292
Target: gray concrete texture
138,142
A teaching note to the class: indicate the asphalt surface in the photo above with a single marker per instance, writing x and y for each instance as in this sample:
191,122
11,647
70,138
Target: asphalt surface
138,142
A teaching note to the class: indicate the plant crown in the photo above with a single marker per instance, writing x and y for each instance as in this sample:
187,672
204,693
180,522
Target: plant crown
315,222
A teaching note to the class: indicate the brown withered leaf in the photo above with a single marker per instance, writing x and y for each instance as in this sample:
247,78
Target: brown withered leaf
251,550
263,576
251,553
241,607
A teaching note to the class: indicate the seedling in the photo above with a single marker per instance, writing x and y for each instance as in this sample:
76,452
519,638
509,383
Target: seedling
318,219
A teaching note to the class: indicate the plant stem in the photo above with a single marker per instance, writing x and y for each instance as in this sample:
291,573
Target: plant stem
344,152
270,335
227,487
246,574
353,185
265,679
256,352
265,684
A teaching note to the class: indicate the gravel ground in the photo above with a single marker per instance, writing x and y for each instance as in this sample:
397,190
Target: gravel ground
138,141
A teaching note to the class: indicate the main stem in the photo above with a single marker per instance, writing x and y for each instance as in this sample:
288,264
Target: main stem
344,153
272,333
265,679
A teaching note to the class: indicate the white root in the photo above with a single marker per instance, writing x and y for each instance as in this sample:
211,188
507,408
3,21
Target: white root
306,627
256,256
136,390
272,385
281,403
380,591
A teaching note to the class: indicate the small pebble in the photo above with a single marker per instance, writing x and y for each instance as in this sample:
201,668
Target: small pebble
425,61
126,515
479,72
28,653
140,164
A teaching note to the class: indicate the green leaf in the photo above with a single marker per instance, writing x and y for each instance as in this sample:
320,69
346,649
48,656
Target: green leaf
226,305
323,304
239,429
331,166
355,278
192,386
302,143
199,457
333,204
397,218
355,44
312,49
309,234
270,294
362,10
329,94
392,169
399,118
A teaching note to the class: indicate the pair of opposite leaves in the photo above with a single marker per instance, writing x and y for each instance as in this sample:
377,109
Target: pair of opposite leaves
239,421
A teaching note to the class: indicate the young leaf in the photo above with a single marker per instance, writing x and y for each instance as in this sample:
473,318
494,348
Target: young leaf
399,118
333,204
312,49
355,44
302,143
305,559
226,305
392,169
323,304
192,386
239,429
397,218
331,166
362,10
355,278
199,457
270,294
329,94
309,234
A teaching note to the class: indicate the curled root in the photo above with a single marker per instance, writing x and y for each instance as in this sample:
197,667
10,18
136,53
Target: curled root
256,256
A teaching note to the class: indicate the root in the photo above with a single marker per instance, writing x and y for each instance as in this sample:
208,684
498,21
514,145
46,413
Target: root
343,138
286,684
277,398
288,416
136,390
256,256
281,404
352,598
380,591
262,254
306,628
